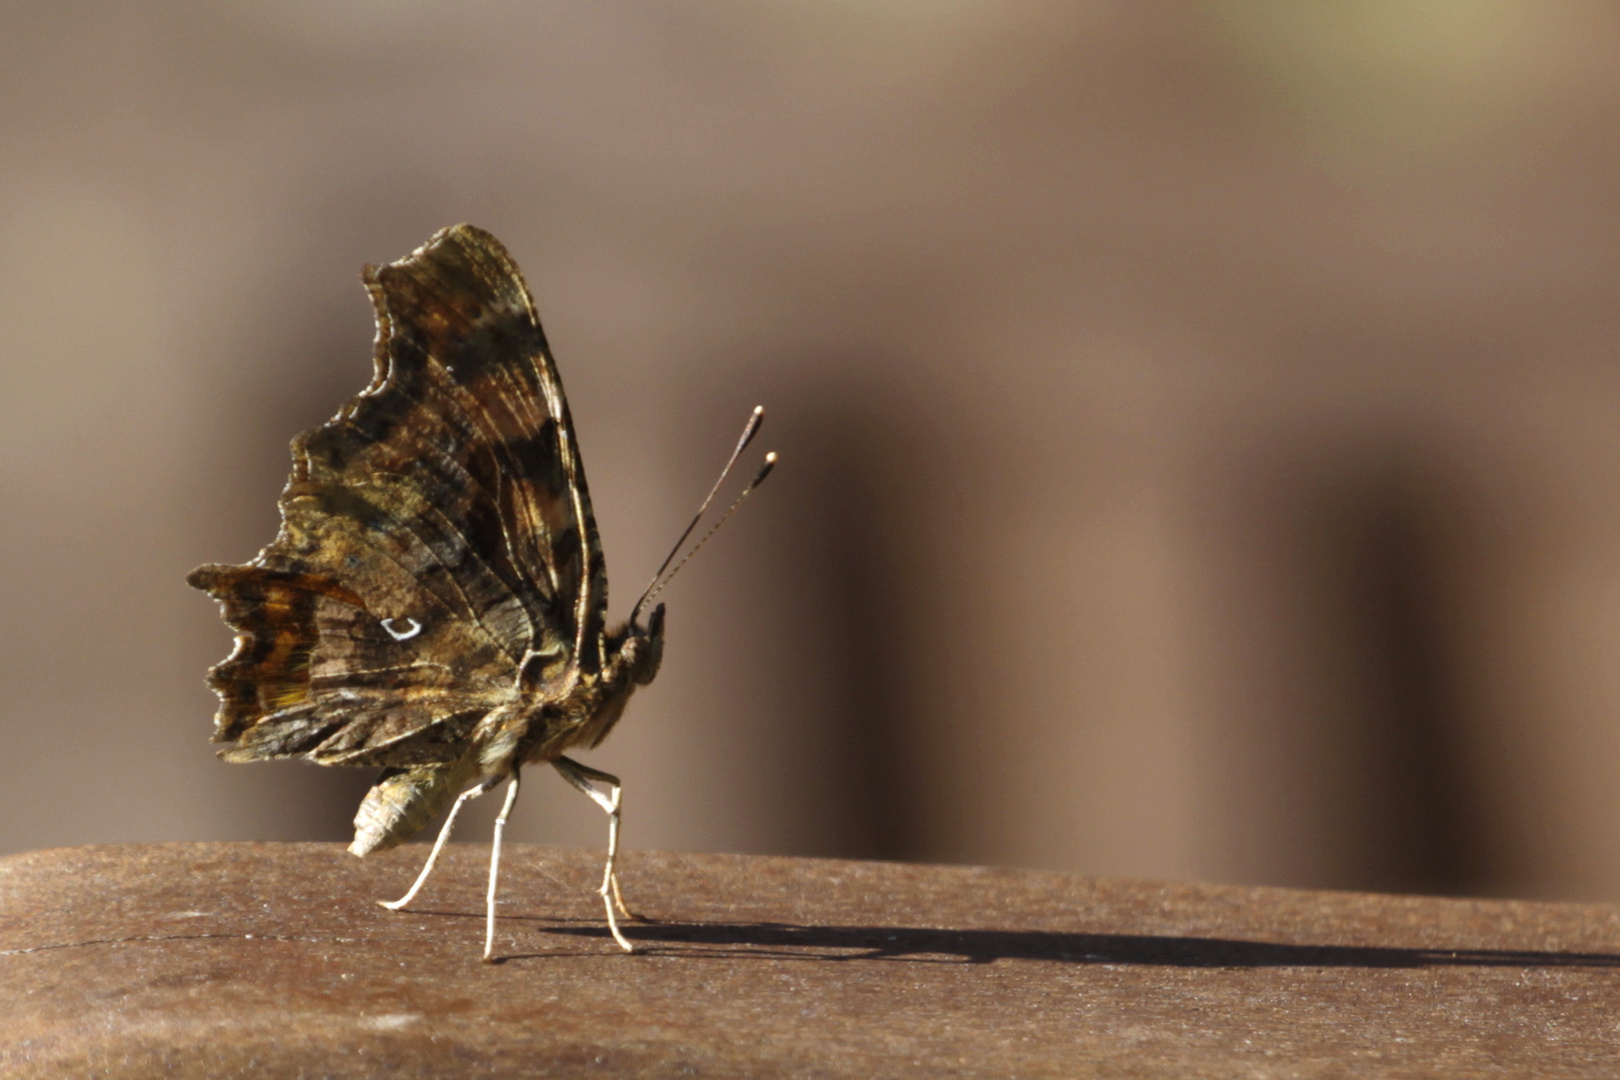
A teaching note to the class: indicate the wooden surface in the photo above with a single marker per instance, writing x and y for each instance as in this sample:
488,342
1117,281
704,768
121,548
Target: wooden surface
223,960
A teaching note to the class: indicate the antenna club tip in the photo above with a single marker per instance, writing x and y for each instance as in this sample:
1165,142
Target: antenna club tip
759,410
770,458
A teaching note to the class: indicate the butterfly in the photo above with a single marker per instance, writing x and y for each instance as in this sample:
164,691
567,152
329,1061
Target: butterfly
435,601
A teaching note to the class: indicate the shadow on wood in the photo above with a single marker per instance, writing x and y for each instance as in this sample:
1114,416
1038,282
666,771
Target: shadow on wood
836,943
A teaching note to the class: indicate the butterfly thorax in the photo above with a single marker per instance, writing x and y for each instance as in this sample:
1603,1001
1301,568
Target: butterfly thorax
579,709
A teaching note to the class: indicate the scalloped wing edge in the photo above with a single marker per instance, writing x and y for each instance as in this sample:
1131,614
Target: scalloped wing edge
272,612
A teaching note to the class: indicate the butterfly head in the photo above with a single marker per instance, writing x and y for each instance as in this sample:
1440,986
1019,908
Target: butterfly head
643,648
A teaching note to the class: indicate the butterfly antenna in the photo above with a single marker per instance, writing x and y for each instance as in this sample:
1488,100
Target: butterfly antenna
759,478
659,580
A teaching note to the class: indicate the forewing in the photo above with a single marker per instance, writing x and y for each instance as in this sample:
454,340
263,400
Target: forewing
461,351
433,533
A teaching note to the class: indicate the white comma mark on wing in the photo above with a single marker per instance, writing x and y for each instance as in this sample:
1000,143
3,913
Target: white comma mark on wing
402,635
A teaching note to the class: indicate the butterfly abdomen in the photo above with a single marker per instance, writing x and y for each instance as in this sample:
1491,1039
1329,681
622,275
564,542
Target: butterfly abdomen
403,801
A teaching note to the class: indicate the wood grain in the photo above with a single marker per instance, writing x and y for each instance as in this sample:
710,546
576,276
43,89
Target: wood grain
223,960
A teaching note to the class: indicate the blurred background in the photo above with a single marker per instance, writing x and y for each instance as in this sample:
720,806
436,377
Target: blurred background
1200,422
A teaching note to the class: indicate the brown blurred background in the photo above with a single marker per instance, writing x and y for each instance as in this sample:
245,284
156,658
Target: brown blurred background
1200,422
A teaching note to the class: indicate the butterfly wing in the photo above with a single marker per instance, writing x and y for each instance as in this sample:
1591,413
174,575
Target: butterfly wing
436,539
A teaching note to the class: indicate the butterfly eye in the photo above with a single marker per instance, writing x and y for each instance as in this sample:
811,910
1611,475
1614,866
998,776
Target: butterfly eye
402,635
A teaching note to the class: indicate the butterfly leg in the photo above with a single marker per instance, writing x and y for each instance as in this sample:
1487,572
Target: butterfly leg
495,864
580,777
438,845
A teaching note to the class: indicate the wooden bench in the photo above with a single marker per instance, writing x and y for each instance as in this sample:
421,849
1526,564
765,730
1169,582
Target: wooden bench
223,960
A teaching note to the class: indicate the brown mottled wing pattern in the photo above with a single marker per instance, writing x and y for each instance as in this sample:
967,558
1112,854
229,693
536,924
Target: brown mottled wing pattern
435,533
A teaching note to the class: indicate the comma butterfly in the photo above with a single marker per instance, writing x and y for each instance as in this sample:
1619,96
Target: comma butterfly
435,602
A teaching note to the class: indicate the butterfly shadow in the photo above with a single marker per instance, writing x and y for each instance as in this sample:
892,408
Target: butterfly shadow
787,941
